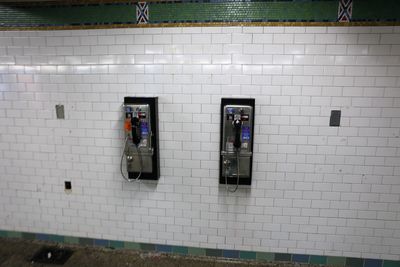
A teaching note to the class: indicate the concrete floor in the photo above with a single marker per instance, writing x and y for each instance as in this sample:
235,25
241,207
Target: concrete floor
18,252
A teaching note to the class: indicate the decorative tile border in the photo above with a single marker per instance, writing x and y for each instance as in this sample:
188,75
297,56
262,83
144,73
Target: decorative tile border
82,14
225,253
345,10
142,13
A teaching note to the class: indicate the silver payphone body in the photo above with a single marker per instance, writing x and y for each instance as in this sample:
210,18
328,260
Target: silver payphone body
237,127
141,139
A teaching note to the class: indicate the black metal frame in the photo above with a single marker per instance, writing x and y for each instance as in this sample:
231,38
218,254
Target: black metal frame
153,103
236,101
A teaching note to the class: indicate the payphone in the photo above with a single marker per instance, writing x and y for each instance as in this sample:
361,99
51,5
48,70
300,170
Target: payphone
141,139
236,146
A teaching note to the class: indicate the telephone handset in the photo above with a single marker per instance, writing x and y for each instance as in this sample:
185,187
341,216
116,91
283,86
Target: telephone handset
141,139
237,127
136,131
237,124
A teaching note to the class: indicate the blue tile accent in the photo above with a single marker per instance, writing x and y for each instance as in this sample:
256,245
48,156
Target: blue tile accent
44,237
373,263
300,258
164,248
230,254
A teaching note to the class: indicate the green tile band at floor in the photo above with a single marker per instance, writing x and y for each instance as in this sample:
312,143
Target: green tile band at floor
336,261
265,256
183,250
196,251
318,260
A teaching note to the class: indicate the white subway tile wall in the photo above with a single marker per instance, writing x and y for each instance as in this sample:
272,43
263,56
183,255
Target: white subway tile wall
316,189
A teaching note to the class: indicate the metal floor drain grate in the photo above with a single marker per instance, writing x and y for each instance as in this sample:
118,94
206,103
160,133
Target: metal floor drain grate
52,255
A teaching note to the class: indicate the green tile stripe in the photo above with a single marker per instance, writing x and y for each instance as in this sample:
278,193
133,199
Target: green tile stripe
315,259
13,234
388,263
117,244
196,251
56,238
376,10
247,255
183,250
66,15
244,11
31,236
132,245
124,12
180,250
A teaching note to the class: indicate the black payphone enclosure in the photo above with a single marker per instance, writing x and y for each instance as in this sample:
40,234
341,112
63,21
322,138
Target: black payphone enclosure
153,103
235,101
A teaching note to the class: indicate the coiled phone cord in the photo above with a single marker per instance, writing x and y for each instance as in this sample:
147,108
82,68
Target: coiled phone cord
237,175
122,159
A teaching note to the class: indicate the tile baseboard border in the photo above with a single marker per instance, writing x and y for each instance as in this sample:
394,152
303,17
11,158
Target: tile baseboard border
336,261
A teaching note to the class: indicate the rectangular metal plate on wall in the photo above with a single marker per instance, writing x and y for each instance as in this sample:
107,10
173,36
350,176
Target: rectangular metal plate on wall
60,111
335,118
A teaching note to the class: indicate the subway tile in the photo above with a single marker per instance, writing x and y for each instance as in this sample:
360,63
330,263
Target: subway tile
297,76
